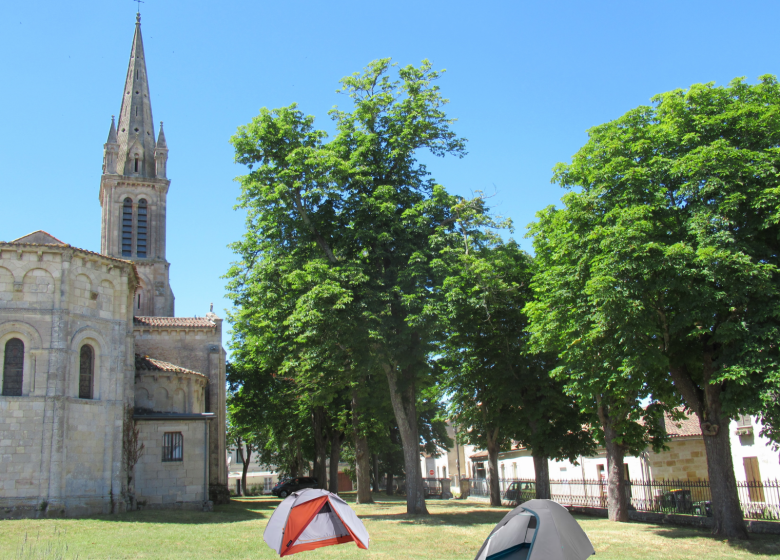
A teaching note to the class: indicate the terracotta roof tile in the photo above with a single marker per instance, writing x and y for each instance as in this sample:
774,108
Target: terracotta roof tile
689,426
181,322
145,363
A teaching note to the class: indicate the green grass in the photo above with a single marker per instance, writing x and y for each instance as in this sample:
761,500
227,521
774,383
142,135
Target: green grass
455,530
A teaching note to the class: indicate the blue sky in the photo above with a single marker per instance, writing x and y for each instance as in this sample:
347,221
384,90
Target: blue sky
525,80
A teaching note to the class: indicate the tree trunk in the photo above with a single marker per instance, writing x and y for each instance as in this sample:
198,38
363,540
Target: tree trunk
242,486
706,403
726,511
405,408
542,476
245,468
493,482
389,484
320,447
362,465
335,456
375,464
617,498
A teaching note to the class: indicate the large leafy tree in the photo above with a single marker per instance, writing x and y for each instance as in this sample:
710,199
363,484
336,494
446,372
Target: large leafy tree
496,387
356,216
671,237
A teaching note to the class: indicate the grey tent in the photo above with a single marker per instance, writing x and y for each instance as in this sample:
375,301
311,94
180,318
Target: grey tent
537,530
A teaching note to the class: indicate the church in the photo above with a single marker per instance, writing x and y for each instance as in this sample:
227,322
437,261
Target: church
109,401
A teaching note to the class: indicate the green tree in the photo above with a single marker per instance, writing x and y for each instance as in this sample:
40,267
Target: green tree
670,237
359,212
494,385
241,434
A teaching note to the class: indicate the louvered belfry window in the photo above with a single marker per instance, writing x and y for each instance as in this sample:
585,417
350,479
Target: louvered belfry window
86,371
13,365
127,228
140,240
173,447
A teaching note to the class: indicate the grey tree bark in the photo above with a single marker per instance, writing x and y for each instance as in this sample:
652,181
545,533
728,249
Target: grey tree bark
405,408
542,477
320,447
362,465
335,456
493,482
617,498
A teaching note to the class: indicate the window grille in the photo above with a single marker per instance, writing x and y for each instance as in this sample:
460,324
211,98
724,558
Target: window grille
13,365
127,228
86,371
140,236
173,446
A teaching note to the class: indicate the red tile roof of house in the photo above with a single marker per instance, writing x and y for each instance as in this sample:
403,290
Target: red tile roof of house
688,426
174,322
145,363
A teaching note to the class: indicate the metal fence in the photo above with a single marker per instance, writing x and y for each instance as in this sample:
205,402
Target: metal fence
759,500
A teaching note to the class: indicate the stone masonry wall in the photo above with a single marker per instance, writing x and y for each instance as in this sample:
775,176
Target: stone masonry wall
176,483
200,350
60,454
686,458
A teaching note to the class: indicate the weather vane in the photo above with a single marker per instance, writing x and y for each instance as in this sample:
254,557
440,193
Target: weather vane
139,2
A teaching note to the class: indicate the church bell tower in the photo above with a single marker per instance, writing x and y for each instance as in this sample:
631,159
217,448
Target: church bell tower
134,190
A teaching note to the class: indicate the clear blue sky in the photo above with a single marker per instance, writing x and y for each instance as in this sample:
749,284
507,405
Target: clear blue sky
525,79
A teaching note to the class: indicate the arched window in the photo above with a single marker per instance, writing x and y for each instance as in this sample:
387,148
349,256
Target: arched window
86,371
140,239
13,365
127,228
136,163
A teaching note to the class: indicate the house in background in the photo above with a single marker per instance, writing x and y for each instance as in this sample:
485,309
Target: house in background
754,458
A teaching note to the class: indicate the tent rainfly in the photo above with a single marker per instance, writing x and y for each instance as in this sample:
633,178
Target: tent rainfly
537,530
313,518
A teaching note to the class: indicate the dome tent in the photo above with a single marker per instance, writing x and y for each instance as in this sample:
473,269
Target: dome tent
313,518
537,530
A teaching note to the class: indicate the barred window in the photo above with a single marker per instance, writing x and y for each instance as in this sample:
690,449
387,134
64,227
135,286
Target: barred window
13,365
127,228
173,446
86,371
140,236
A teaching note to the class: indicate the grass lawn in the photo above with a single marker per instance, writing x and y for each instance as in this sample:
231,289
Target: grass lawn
454,530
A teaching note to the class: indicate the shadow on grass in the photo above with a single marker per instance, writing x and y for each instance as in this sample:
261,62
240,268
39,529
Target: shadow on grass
238,510
758,544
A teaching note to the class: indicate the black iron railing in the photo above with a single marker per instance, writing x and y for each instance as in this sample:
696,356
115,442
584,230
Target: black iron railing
759,500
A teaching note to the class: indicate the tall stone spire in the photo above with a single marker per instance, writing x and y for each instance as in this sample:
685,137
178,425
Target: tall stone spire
136,126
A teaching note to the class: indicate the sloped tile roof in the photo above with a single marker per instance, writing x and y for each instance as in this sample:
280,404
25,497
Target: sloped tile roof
689,426
67,246
145,363
181,322
39,237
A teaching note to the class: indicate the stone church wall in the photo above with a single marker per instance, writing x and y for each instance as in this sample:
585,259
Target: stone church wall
198,349
59,453
177,483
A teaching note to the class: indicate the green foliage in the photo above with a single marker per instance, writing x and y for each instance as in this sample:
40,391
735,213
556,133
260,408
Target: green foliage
661,271
494,385
336,265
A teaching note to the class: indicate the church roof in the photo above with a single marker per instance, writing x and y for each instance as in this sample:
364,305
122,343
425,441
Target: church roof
39,237
135,129
145,363
183,322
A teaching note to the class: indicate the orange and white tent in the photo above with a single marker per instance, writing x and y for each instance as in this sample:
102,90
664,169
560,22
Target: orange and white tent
310,519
